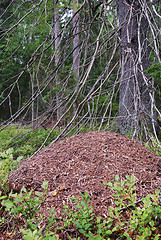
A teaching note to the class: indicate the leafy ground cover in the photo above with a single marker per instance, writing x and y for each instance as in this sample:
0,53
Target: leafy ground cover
23,140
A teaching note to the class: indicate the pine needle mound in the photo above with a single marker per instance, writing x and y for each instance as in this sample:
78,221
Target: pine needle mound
81,163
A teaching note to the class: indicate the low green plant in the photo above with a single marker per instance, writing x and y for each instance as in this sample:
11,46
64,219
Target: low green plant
25,204
129,220
9,133
30,142
36,235
154,146
7,164
83,217
23,140
22,208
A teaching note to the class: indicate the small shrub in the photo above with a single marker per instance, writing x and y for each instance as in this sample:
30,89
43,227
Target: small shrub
25,204
7,164
127,219
22,208
83,217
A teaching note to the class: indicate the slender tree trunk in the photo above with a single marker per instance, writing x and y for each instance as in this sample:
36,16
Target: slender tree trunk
33,111
51,85
57,50
134,101
32,76
76,57
76,54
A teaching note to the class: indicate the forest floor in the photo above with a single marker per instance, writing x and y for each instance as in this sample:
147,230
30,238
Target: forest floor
81,163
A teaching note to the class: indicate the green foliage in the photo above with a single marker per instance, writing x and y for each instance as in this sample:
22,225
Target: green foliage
128,218
154,146
17,47
126,221
124,191
7,164
155,71
32,141
83,217
9,133
24,141
35,235
24,206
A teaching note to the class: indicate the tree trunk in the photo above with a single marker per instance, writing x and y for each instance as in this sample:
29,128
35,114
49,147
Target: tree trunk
32,77
76,57
76,54
51,85
57,54
134,100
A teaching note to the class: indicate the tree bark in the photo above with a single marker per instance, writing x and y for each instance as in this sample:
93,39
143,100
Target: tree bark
76,54
57,54
76,57
134,100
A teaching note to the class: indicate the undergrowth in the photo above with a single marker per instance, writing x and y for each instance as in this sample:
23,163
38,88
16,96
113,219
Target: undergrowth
129,218
23,140
7,164
154,146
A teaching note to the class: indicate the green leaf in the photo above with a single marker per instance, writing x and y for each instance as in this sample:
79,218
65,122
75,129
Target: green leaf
117,178
86,195
19,158
82,231
8,203
111,214
109,184
78,206
45,184
98,219
108,232
86,226
127,235
157,237
39,194
3,197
